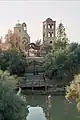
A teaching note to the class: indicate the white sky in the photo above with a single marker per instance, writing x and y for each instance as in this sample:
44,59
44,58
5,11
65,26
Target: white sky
35,12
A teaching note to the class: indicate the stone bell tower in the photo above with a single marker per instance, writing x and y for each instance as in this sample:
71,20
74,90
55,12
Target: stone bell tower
49,31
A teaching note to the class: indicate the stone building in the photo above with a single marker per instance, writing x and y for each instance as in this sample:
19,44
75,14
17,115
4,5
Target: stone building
49,31
21,30
18,38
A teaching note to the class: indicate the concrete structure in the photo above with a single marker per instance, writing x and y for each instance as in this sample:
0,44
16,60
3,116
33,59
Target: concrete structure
21,30
49,31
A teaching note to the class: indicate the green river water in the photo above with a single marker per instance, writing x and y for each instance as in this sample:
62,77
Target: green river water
61,109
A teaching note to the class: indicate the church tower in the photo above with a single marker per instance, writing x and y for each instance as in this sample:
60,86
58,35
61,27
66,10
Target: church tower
49,31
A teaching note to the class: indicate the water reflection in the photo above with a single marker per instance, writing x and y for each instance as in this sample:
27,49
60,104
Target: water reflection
35,113
60,108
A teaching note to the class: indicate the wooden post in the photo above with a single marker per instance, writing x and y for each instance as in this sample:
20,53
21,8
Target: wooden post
49,108
32,86
45,81
45,85
28,52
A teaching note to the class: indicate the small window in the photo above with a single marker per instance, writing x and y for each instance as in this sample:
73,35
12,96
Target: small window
50,42
49,34
43,34
52,34
19,30
52,26
49,26
44,26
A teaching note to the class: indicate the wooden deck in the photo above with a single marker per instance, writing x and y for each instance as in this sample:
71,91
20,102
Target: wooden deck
35,84
34,81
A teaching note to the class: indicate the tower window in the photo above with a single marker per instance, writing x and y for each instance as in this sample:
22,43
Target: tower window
44,26
49,26
43,34
25,28
19,30
50,42
52,34
49,34
52,26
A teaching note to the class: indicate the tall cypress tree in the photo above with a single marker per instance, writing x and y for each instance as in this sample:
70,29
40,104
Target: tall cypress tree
61,40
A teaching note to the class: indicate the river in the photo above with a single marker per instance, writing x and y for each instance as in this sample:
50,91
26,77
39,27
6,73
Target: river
61,109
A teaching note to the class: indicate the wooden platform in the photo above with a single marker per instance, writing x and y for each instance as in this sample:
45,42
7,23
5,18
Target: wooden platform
34,81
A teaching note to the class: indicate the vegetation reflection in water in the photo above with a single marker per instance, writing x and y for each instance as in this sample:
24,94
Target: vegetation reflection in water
61,109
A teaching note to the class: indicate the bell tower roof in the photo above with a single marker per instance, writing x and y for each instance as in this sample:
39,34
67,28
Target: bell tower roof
48,20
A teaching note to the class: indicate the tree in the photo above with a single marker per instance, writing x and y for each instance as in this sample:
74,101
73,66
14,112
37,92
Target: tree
13,62
73,91
13,42
61,40
71,47
54,64
63,64
11,105
6,78
45,49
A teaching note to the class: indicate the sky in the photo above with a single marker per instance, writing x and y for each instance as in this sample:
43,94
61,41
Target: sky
35,12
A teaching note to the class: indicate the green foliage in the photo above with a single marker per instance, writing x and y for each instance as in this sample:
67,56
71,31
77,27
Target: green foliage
55,63
72,47
11,105
61,35
64,61
61,40
63,64
13,62
6,78
45,49
73,91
